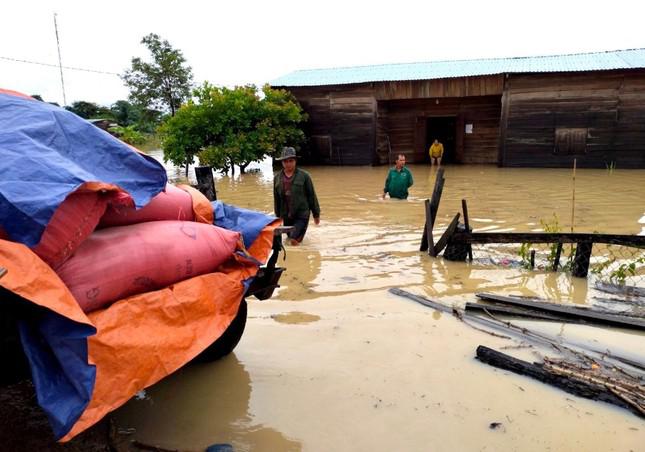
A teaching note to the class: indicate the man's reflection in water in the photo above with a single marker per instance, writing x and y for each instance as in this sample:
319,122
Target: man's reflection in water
198,406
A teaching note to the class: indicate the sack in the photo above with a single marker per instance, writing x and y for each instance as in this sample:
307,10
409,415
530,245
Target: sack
172,204
73,221
114,263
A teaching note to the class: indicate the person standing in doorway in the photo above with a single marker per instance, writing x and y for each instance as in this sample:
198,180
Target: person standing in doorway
436,152
294,197
398,180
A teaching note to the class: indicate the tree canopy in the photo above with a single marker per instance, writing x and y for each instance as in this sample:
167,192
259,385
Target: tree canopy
165,82
88,110
227,127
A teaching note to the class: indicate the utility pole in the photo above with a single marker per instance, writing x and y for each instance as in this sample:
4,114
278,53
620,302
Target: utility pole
60,64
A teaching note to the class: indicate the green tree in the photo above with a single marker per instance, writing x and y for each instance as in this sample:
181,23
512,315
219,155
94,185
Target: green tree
84,109
164,83
129,134
228,127
125,113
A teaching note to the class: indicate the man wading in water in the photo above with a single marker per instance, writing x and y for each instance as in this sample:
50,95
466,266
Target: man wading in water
294,196
398,180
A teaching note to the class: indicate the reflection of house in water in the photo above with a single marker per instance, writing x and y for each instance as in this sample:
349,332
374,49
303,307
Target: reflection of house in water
532,111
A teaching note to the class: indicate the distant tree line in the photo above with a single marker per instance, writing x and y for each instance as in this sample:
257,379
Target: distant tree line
223,127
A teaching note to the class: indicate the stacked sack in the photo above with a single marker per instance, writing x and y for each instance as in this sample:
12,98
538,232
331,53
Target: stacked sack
104,249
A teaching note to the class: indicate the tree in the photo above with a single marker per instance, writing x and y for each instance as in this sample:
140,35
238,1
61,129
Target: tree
227,127
83,109
125,113
164,83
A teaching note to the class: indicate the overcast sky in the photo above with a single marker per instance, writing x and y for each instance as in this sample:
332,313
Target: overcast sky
238,42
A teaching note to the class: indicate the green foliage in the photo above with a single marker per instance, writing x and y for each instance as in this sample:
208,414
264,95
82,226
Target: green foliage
129,134
525,255
619,274
163,83
228,127
524,252
125,113
89,110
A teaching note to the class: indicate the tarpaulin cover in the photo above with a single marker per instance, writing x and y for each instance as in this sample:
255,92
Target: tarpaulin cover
48,152
84,366
249,222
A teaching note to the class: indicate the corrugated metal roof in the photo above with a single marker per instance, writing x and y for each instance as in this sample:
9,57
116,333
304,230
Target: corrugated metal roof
599,61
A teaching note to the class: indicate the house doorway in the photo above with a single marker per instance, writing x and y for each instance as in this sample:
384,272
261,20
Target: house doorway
442,128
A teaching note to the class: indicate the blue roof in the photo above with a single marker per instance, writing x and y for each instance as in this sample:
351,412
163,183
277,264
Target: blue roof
598,61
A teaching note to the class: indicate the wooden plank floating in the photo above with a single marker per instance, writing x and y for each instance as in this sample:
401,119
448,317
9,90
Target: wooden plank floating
513,311
602,356
569,312
582,388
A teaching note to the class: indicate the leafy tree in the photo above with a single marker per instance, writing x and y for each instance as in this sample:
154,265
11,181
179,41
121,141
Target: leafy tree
83,109
227,127
164,83
89,110
125,113
129,134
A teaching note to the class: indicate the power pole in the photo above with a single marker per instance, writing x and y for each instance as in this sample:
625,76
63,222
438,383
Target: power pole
60,64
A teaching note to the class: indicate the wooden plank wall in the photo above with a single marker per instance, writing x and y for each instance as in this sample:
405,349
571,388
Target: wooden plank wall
610,104
405,123
344,114
487,85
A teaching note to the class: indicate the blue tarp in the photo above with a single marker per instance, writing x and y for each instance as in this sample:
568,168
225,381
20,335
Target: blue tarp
48,152
248,222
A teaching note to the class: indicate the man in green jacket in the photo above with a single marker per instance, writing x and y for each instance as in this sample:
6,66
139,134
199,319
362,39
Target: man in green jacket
398,180
294,196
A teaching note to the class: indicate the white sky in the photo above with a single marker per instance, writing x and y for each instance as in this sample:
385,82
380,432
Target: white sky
241,41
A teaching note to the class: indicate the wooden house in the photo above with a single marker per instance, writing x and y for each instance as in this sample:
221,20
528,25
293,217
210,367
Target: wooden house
530,111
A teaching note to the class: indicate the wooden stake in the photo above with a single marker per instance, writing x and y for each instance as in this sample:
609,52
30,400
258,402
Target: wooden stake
573,196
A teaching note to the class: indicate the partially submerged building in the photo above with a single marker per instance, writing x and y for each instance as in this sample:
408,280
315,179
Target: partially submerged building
531,111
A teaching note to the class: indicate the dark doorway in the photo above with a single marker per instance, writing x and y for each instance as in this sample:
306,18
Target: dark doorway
443,129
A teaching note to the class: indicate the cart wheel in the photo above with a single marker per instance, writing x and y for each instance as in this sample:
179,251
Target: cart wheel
228,340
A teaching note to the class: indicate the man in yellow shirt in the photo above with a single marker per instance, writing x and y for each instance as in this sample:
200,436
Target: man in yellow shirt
436,152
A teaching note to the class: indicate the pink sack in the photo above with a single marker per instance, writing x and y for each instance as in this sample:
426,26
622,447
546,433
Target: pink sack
173,204
114,263
73,221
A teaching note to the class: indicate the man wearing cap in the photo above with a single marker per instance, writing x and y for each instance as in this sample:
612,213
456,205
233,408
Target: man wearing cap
294,196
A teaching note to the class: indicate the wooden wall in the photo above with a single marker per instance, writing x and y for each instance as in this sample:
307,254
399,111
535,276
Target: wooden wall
486,85
610,105
342,124
405,125
515,119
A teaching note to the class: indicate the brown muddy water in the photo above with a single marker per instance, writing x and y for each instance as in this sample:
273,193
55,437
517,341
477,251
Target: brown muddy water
333,362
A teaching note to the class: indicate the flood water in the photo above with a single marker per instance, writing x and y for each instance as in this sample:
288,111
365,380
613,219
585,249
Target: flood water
334,362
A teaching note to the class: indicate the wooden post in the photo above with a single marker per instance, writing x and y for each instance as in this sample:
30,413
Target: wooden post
532,259
556,258
427,241
445,238
205,182
580,266
464,207
427,229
